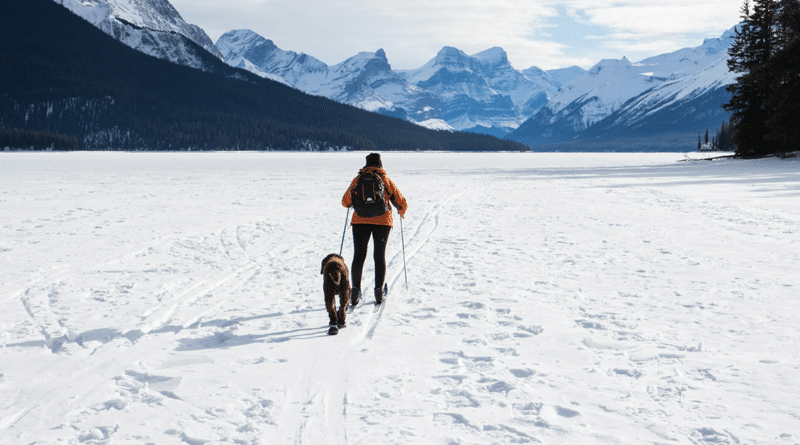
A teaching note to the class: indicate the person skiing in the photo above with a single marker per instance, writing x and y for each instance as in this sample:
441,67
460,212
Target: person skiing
372,218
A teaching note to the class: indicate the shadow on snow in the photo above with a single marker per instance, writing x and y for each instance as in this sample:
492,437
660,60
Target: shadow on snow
216,340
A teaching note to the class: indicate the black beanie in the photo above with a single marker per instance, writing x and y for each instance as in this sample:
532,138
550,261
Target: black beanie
374,160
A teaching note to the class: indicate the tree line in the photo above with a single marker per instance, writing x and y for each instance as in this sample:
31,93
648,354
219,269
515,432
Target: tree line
36,140
765,99
721,141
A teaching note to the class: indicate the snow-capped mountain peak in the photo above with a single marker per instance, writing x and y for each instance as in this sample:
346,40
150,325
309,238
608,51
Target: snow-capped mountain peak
454,58
687,61
602,89
492,57
151,26
233,42
246,49
720,44
562,76
617,65
448,58
366,61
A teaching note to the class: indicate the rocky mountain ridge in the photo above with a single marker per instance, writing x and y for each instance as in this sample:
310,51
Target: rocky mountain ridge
153,27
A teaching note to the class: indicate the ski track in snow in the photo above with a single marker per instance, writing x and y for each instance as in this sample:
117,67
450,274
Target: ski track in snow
552,298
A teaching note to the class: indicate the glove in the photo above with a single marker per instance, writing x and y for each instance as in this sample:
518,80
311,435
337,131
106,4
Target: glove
402,213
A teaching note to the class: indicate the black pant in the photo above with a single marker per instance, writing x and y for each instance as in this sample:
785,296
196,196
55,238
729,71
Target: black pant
361,235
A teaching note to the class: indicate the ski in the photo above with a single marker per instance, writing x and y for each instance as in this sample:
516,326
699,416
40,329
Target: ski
352,307
378,307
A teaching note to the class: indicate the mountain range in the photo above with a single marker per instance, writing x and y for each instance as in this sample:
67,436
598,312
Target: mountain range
61,75
659,102
454,91
655,104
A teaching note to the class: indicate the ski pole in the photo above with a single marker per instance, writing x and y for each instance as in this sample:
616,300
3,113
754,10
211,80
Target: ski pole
402,237
344,231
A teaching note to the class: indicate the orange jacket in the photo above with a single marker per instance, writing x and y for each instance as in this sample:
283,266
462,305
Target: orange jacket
391,194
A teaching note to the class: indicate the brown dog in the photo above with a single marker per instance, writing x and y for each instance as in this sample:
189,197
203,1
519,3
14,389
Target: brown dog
336,281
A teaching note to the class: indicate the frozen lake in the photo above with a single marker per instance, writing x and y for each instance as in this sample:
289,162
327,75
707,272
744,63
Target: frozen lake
175,298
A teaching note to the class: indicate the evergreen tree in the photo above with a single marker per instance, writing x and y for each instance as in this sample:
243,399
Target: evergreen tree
787,22
751,50
724,138
784,66
765,99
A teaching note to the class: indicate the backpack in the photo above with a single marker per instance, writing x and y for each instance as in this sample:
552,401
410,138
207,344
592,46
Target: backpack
368,197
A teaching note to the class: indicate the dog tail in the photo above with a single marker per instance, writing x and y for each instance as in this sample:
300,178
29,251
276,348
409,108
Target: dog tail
335,277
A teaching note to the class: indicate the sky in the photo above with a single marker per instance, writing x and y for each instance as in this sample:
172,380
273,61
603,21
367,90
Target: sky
548,34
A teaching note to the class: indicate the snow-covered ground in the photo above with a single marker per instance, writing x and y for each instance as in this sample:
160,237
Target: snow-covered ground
551,298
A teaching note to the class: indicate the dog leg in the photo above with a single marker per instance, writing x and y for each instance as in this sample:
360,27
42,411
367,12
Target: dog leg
344,300
342,313
330,305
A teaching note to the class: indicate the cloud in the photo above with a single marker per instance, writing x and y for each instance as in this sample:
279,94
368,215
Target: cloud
545,33
653,18
646,28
